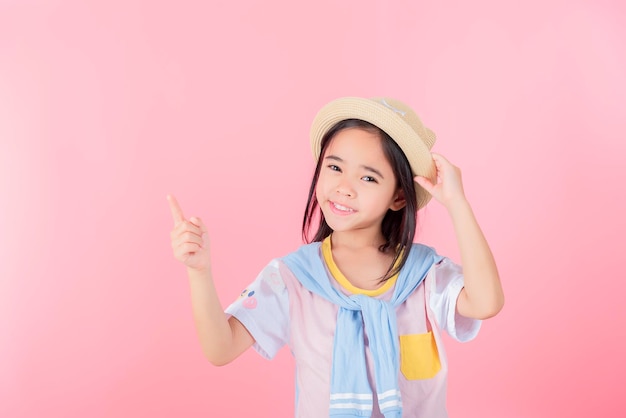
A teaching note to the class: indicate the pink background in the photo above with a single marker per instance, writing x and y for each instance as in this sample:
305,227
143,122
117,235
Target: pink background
105,107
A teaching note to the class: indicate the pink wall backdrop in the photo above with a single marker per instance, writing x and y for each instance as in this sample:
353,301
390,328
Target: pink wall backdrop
106,107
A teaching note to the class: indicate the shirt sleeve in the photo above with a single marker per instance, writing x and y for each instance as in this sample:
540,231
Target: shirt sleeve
263,308
445,289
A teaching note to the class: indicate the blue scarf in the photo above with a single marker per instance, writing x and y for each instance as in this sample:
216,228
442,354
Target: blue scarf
350,392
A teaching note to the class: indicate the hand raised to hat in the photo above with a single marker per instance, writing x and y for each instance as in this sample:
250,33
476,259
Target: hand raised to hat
190,240
449,187
482,296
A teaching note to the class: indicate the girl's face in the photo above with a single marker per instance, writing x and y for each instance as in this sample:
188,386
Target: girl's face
356,184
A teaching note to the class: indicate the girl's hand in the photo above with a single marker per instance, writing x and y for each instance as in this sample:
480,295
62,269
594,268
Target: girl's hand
449,186
189,239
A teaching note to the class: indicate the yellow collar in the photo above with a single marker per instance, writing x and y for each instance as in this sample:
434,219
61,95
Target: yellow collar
344,282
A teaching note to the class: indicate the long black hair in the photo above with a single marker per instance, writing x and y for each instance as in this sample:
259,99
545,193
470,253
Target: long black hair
398,227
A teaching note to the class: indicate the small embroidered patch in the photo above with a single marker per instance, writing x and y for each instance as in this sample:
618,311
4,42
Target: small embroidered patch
250,302
274,281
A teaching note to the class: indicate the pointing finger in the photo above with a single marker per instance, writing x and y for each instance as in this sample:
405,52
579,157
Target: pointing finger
177,212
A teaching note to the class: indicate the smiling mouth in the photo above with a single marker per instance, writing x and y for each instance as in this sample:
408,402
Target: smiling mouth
340,208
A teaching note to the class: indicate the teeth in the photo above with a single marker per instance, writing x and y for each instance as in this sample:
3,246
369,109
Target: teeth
340,207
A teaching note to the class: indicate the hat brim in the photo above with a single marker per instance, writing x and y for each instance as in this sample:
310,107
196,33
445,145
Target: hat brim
384,117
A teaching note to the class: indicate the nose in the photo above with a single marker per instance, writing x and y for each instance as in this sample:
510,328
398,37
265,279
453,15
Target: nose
344,188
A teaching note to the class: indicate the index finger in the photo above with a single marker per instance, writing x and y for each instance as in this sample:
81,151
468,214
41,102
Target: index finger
177,212
439,158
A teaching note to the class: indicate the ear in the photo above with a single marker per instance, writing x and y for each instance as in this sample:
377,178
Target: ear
398,201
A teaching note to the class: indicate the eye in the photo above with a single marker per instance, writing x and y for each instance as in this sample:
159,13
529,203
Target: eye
333,167
369,179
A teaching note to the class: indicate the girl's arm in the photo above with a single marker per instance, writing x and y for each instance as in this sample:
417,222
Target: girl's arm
482,296
222,339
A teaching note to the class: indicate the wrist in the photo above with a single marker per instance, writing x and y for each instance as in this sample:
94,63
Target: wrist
199,273
457,203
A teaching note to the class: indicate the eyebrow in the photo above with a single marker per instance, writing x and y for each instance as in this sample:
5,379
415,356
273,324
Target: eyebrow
367,167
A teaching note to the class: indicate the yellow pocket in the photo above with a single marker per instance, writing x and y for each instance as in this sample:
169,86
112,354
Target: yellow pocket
419,358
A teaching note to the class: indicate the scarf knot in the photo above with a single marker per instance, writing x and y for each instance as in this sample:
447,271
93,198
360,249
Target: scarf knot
350,392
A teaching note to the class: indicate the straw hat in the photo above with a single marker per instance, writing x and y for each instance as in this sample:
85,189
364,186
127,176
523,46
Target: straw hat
397,119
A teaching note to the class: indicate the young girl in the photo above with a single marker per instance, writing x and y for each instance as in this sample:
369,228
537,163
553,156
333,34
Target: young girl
361,306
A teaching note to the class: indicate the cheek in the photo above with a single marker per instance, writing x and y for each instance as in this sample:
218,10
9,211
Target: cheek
319,187
319,194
